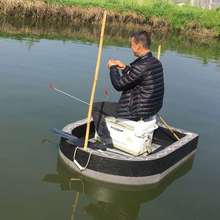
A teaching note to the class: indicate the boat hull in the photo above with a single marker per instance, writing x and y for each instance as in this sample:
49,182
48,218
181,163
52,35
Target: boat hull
127,171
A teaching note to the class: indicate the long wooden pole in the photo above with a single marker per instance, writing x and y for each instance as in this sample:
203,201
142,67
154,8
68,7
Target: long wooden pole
159,52
169,128
161,118
95,81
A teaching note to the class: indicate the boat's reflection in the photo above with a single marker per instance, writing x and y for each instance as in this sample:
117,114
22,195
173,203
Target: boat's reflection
111,201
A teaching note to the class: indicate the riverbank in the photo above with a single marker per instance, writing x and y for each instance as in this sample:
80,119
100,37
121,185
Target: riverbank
153,16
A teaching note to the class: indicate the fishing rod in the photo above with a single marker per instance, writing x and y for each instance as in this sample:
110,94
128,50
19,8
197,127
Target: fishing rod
161,118
52,87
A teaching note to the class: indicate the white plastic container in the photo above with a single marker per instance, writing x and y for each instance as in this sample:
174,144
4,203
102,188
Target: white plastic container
130,136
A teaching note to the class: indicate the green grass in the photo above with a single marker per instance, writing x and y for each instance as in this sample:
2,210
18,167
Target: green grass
179,17
106,3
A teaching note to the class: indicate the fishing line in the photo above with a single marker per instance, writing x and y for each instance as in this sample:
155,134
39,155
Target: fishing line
52,87
106,86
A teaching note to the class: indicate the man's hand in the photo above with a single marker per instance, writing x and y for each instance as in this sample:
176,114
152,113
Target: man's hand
117,63
110,63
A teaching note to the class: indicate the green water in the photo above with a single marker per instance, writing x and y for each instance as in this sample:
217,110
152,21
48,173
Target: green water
34,185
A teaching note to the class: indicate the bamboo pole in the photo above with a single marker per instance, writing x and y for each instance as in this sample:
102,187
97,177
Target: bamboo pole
159,52
95,81
169,128
161,118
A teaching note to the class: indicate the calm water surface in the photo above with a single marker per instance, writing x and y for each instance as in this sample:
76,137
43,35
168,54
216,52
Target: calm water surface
35,185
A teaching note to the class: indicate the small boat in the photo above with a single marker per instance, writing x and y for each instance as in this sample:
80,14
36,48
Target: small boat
111,165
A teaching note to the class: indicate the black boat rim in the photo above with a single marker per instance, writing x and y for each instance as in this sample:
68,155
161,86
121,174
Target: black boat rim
188,136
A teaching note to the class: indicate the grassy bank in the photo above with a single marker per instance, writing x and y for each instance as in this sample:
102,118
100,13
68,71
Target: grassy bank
152,15
161,14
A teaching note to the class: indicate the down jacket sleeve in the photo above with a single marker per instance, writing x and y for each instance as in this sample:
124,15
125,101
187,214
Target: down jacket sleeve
130,77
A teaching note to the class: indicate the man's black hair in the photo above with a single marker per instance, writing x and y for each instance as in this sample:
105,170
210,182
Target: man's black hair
142,37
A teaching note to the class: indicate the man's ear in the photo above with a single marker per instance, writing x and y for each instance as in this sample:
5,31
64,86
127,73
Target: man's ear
139,46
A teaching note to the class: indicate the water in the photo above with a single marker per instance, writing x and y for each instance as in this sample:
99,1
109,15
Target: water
34,185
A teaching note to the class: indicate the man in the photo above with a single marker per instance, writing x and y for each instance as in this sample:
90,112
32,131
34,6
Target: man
141,84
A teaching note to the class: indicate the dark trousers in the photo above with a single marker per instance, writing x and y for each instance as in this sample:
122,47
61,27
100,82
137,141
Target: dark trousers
100,111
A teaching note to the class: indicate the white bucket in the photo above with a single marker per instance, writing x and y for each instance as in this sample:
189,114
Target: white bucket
130,136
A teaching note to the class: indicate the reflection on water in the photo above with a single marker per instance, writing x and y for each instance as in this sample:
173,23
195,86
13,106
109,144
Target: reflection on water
114,36
110,201
210,4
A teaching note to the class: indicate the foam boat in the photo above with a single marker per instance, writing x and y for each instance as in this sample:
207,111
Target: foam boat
114,166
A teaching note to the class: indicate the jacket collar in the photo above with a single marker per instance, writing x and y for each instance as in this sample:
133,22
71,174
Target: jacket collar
147,55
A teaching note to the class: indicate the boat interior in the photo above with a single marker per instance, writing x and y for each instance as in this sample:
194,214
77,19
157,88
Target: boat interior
162,137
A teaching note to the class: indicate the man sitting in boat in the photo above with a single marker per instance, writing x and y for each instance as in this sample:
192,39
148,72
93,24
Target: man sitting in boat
141,84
